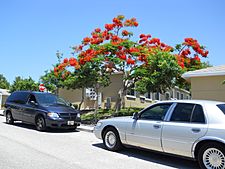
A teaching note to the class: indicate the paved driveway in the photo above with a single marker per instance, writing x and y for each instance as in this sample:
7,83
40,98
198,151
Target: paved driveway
22,147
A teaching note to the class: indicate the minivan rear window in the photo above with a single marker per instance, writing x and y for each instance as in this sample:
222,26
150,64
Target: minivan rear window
221,107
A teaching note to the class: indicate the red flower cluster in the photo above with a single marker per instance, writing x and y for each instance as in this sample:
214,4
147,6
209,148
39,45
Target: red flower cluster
98,30
196,46
131,22
109,27
186,52
73,62
125,33
118,22
142,58
133,50
130,61
144,38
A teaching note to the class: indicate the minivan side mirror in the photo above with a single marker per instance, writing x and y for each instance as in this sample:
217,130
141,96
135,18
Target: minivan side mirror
33,103
135,115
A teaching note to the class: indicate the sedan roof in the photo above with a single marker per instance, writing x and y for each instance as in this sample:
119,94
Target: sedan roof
193,101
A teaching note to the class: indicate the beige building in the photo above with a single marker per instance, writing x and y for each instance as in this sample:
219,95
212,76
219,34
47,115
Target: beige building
207,83
109,95
3,96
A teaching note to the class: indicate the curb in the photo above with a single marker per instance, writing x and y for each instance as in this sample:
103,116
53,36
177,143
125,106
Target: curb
85,128
1,113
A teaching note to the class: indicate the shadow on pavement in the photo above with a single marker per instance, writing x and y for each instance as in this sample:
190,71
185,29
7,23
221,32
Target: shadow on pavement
32,127
155,157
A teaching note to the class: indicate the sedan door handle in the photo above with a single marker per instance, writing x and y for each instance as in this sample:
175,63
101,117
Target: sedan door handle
156,126
196,130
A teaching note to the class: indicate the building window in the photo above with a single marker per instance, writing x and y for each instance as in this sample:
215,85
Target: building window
91,94
131,91
182,96
167,96
148,95
178,95
157,96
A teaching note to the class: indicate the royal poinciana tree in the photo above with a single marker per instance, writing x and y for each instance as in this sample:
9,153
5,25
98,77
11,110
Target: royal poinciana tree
114,51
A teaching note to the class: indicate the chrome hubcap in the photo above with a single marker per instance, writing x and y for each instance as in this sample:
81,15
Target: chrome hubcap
110,139
40,123
214,159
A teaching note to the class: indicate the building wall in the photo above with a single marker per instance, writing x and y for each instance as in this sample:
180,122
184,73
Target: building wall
111,93
112,90
3,100
73,96
140,102
208,88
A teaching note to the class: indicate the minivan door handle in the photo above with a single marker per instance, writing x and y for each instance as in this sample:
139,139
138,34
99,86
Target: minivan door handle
196,130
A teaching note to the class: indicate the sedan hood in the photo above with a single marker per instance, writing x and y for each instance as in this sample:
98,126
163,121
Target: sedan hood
119,119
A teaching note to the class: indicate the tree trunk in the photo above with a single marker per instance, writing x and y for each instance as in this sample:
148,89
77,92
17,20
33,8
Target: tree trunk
96,103
120,103
82,99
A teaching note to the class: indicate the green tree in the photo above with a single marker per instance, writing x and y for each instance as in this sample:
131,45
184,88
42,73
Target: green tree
4,84
51,82
24,84
159,75
90,75
115,51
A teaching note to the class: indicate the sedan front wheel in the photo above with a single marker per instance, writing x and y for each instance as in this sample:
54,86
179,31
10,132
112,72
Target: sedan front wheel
111,139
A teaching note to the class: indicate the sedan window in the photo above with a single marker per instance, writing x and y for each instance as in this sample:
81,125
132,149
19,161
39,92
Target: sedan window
182,112
198,115
156,112
221,107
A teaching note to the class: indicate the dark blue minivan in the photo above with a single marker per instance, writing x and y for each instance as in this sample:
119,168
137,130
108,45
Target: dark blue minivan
41,109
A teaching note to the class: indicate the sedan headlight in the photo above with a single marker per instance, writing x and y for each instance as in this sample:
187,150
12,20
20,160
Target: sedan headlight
99,124
78,115
53,115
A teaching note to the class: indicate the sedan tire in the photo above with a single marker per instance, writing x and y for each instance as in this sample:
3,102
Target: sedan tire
111,139
211,155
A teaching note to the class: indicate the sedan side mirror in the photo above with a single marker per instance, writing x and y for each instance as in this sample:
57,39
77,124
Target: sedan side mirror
135,116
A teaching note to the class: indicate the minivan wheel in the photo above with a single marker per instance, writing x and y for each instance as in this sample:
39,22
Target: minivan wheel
212,156
40,123
111,139
9,118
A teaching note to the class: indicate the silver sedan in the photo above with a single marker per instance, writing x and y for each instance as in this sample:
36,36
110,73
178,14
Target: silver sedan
189,128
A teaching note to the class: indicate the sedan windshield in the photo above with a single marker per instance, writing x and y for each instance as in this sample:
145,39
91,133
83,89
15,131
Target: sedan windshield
49,99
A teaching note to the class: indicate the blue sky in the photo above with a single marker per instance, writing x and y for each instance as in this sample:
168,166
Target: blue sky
32,31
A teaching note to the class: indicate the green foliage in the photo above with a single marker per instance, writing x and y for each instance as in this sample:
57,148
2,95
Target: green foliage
24,84
104,113
4,84
87,76
159,74
51,82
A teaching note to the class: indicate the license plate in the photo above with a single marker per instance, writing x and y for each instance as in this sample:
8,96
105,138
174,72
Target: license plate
70,123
